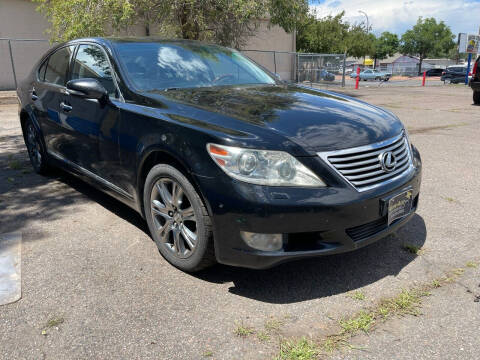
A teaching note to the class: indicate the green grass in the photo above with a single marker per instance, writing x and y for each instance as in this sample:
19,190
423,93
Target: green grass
302,349
208,353
263,336
471,264
449,199
407,302
361,321
15,165
412,249
273,325
458,271
243,331
52,323
436,284
357,295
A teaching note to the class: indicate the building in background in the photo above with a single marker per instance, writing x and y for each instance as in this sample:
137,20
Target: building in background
20,20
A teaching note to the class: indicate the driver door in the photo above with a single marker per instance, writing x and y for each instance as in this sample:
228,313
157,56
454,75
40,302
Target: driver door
95,122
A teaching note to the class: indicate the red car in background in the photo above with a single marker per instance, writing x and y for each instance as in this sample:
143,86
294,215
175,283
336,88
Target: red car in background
475,82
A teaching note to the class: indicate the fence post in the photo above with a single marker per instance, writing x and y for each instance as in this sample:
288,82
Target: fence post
424,75
344,64
311,78
298,67
13,64
275,62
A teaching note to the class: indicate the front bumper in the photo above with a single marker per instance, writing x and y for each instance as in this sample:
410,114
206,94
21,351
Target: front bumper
475,84
314,222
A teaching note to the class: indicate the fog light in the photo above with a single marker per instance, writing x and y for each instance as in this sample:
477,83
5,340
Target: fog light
264,242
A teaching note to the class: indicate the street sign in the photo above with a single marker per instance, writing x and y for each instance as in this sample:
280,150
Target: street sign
462,42
472,44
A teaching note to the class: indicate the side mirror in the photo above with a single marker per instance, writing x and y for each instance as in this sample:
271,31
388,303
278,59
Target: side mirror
87,88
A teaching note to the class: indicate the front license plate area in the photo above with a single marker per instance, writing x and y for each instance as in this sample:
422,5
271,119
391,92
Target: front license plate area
399,206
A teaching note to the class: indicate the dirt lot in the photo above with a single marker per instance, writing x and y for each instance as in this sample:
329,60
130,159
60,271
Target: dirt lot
94,285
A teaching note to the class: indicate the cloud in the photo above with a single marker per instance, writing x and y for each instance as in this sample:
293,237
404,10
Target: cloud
398,16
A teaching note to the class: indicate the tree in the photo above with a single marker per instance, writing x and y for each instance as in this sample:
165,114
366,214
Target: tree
82,18
427,38
385,45
227,22
333,35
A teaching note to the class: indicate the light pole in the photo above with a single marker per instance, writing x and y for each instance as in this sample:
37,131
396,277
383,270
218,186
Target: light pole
364,13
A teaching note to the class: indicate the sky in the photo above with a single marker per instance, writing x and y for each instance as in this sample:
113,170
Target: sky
398,16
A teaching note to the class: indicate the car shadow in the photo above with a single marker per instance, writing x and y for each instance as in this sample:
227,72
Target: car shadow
324,276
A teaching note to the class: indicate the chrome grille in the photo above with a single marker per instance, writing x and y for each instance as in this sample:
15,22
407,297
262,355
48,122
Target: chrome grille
362,166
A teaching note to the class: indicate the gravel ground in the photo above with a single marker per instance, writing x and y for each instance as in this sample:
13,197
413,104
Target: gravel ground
94,285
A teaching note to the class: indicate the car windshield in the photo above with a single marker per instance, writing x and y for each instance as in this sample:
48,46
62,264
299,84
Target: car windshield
171,65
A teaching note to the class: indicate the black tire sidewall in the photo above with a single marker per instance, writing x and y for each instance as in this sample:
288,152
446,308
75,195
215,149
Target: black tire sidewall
42,167
203,224
476,97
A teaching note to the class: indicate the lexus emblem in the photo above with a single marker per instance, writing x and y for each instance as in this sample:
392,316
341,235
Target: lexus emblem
388,161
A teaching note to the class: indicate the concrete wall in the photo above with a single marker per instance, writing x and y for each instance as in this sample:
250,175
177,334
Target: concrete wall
20,20
276,39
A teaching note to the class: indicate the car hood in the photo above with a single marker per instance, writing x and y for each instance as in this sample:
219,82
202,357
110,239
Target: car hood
316,120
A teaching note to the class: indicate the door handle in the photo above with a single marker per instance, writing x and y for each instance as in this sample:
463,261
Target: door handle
34,95
65,107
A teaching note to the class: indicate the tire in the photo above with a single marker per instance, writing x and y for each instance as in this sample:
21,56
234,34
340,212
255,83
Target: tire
35,148
476,97
178,220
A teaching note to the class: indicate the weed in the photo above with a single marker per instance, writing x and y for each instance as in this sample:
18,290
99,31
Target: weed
208,353
449,199
412,249
357,295
436,284
263,336
15,165
51,323
471,264
458,271
273,325
361,321
302,349
243,331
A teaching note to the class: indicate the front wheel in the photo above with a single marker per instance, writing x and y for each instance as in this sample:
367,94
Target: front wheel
178,220
476,97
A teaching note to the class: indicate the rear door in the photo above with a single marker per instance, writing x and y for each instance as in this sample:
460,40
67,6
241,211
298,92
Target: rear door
50,90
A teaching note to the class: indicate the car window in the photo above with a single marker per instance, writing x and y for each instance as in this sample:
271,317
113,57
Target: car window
368,71
41,71
157,66
57,66
91,62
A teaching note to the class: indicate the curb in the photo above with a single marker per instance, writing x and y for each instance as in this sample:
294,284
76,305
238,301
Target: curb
8,97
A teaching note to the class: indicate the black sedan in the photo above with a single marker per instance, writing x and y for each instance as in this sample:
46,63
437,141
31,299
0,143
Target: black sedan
224,162
454,74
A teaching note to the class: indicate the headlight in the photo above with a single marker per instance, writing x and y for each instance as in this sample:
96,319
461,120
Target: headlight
274,168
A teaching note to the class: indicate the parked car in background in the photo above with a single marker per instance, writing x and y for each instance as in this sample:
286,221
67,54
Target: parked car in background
223,161
326,76
475,82
372,74
454,74
435,72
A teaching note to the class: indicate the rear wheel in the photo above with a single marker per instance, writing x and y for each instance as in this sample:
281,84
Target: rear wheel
178,220
476,97
36,153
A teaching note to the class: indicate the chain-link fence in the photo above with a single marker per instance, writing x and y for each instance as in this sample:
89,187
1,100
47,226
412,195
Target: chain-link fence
17,57
325,69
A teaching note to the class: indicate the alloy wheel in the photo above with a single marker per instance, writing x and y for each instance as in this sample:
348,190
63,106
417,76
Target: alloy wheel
174,217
